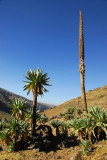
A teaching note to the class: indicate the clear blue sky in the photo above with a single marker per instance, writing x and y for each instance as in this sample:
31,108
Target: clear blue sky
45,34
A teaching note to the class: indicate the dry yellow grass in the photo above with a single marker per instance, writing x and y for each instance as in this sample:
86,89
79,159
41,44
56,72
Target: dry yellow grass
99,153
96,97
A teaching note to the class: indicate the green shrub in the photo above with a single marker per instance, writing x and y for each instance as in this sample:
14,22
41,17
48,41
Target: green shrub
42,118
5,135
92,125
11,147
68,116
79,111
69,113
19,108
86,146
56,124
98,114
99,117
70,110
24,131
3,124
79,127
14,127
83,128
64,127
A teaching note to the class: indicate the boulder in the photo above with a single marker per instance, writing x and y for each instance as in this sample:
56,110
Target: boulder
77,156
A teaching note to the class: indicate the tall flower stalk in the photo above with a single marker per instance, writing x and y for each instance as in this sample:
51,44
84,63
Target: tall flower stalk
82,65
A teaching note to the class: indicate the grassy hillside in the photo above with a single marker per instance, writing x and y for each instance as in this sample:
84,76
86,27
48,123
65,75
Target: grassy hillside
96,97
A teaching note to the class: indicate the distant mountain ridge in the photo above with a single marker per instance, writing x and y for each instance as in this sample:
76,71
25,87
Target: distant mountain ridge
6,97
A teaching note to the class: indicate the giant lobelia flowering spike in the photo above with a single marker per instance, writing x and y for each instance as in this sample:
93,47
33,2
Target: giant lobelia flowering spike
82,65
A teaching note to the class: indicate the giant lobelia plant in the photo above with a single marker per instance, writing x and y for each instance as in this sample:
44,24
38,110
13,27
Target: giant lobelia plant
82,65
36,80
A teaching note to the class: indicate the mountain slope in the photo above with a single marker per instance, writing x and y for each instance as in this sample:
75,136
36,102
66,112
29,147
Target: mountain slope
6,97
96,97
